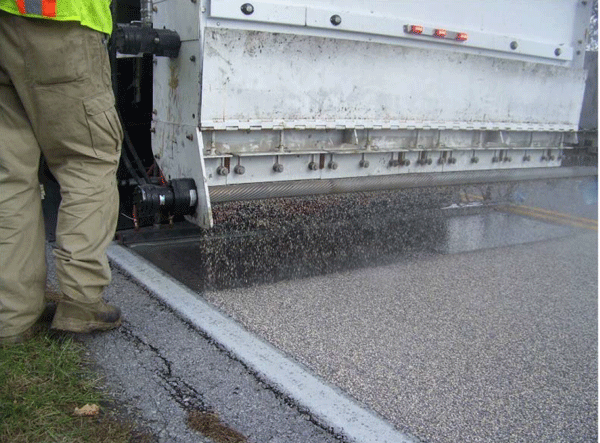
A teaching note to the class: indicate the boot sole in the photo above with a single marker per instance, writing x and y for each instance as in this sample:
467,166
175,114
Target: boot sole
85,327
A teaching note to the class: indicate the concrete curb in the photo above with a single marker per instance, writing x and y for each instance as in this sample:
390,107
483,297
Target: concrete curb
329,406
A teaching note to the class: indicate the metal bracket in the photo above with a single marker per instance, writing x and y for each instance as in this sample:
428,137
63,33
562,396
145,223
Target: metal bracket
203,216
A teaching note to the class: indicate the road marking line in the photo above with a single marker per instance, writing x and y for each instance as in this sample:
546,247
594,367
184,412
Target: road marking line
327,404
470,197
542,214
560,215
560,220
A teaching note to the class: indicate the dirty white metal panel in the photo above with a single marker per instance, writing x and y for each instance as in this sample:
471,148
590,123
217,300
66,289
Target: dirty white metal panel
538,27
260,78
268,12
176,86
181,16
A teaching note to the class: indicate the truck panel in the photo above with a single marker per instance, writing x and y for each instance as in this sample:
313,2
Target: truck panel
294,91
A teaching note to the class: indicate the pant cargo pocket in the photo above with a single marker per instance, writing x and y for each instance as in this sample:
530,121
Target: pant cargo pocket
105,128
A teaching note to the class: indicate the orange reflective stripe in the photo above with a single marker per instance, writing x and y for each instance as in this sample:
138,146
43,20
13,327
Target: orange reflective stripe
21,6
49,8
45,8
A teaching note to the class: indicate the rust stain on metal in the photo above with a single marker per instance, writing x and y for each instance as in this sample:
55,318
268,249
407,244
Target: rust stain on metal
174,79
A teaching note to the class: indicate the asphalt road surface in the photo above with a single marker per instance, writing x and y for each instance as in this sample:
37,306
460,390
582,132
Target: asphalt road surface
463,324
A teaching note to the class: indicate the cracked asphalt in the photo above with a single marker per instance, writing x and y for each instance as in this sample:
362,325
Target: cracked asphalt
159,368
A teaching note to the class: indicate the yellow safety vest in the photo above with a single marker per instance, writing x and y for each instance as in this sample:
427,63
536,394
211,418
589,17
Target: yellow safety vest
94,14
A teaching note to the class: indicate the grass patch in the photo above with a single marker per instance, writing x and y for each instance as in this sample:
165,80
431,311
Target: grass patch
41,383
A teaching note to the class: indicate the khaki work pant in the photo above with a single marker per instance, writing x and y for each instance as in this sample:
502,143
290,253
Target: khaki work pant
55,99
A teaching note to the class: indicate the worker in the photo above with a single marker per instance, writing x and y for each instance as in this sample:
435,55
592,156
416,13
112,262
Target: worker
56,98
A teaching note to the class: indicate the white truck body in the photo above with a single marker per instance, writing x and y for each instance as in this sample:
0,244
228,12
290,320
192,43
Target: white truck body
285,97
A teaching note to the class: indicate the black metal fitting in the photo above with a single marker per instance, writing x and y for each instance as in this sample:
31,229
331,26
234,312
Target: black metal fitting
278,167
179,197
336,20
313,166
135,39
222,170
332,165
239,169
363,163
247,8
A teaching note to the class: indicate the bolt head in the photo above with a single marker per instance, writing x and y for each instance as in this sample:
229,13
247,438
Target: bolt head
313,166
278,167
363,163
239,169
247,8
514,45
222,170
474,159
336,20
333,165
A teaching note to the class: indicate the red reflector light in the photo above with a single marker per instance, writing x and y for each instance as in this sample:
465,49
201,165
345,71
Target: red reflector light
440,33
416,29
462,36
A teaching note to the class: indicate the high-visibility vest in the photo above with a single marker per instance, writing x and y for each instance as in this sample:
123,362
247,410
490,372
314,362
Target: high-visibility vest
94,14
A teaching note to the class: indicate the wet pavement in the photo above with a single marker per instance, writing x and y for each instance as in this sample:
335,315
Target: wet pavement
463,321
496,345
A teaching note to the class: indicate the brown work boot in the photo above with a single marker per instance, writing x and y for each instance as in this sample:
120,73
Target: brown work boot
82,317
